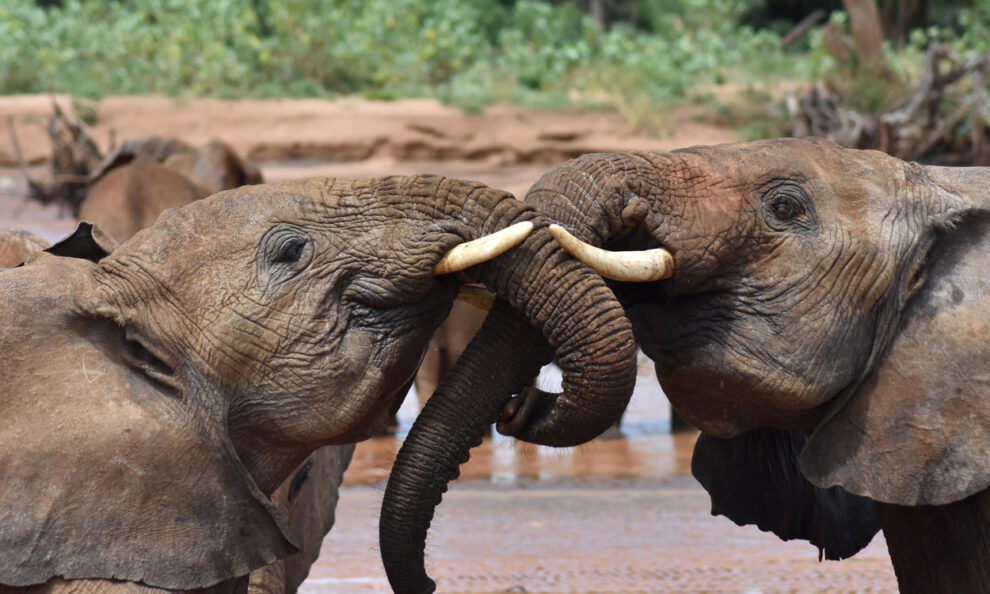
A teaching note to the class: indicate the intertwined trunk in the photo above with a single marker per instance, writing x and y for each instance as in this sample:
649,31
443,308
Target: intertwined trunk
549,304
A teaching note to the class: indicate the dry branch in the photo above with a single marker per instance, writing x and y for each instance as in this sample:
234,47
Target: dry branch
799,29
942,120
74,155
33,186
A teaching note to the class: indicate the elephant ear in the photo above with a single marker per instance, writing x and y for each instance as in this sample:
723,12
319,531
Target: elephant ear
154,147
104,472
220,167
754,478
87,241
917,431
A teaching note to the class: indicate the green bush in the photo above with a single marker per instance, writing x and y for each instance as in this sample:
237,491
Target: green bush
471,52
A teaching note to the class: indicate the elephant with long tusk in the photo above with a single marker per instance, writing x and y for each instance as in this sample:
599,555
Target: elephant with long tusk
822,314
826,325
156,392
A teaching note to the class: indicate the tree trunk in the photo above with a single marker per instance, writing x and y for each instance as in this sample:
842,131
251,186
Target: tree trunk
867,33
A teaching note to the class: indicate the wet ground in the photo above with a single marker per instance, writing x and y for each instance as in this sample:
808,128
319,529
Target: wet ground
614,515
617,515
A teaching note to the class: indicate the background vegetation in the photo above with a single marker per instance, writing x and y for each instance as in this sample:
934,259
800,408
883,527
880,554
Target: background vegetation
630,55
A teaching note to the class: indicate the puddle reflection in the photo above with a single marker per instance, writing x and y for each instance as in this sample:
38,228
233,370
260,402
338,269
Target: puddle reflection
504,461
645,448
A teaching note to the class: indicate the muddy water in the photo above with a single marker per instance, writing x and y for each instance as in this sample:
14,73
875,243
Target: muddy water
614,515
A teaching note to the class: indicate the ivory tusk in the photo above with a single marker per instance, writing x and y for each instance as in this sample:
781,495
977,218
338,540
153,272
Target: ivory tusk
482,249
634,266
479,297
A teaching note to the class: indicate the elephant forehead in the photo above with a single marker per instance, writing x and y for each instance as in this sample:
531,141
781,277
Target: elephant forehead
857,188
807,158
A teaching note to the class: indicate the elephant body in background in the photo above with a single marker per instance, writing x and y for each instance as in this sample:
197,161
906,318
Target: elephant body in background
826,326
157,393
144,176
447,344
16,244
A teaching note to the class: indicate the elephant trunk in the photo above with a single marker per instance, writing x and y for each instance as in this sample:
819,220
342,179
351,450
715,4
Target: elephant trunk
597,197
453,421
548,302
577,314
595,349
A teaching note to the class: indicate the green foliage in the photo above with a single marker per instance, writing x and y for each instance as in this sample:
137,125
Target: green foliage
469,52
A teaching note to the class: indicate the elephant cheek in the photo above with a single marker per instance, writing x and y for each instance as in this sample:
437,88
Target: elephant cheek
373,386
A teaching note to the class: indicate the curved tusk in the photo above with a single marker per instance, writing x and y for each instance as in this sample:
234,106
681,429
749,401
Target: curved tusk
482,249
634,267
479,297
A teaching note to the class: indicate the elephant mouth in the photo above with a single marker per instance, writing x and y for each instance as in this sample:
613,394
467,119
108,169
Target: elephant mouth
519,409
139,355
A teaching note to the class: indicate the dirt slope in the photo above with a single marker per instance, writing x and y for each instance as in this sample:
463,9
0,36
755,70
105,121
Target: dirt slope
354,129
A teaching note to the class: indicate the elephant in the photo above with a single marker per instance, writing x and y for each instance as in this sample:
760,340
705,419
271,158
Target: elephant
306,500
157,392
16,244
128,190
822,315
824,320
144,176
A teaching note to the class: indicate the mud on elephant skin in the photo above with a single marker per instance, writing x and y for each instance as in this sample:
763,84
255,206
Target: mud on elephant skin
237,335
825,326
144,176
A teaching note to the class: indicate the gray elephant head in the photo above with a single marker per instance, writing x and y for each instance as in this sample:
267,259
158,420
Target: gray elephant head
816,290
156,392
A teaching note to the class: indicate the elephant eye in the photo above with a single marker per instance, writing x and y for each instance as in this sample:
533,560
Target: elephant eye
788,207
785,208
284,252
289,251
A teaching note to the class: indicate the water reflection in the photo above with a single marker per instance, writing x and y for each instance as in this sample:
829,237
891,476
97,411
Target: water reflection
644,448
504,461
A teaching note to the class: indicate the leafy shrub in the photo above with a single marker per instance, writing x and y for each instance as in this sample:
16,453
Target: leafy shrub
466,51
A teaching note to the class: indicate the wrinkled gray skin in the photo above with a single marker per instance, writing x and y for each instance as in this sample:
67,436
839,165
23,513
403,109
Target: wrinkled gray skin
307,499
127,191
157,392
144,176
824,292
